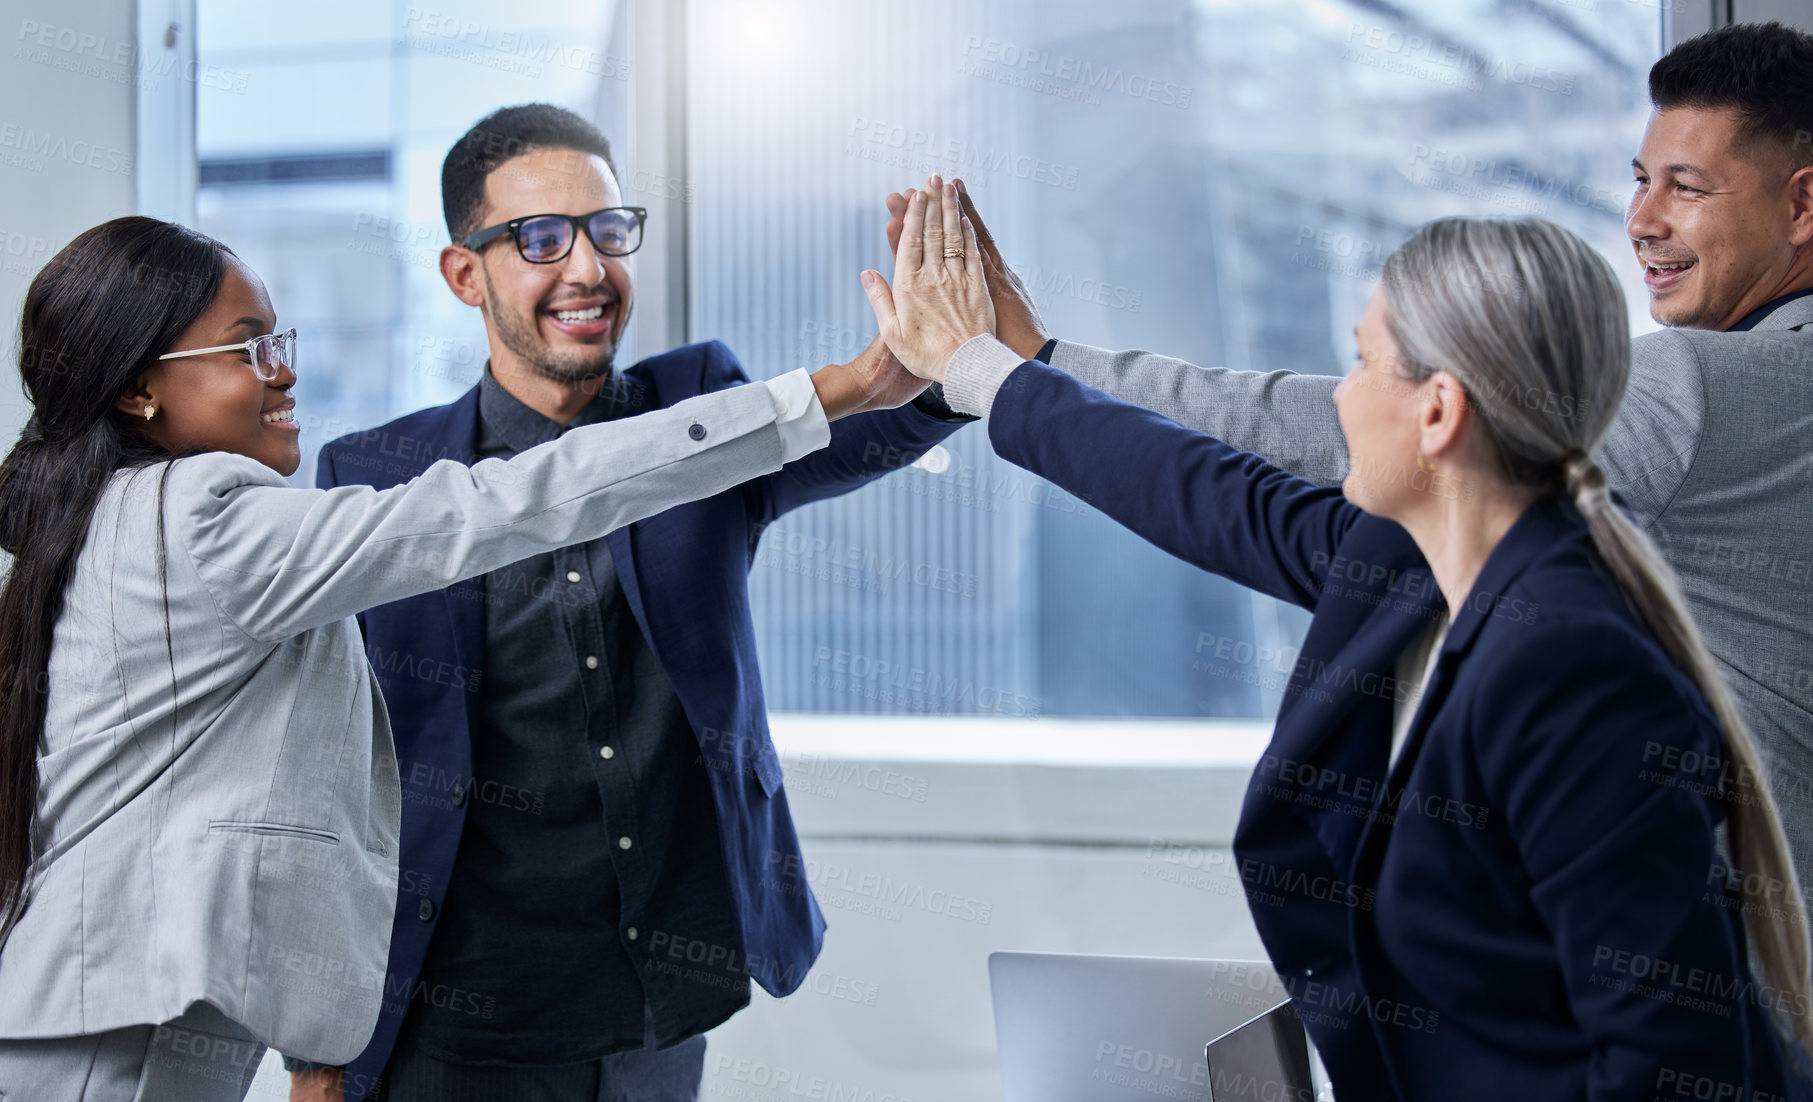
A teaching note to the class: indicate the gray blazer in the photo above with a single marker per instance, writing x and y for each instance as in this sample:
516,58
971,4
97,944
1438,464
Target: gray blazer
218,796
1712,451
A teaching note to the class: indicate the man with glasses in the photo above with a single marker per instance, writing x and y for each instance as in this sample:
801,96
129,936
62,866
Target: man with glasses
588,882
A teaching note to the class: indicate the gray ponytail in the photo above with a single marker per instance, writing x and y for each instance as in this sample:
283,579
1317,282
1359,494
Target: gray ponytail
1532,322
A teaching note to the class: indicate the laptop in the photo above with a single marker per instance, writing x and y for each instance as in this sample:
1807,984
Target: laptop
1079,1028
1268,1057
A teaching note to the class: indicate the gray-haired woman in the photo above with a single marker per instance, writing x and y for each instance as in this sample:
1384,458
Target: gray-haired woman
1564,875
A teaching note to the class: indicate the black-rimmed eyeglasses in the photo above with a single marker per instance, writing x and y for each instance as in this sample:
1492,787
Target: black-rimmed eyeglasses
546,238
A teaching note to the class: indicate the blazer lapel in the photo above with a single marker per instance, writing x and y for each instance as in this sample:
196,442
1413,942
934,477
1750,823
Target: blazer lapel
465,600
623,559
1544,524
1336,731
641,393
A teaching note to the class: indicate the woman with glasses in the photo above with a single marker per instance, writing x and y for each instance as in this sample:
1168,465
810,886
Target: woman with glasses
199,802
1511,839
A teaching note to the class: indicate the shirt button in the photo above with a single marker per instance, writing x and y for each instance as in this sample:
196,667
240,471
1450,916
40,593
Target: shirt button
606,753
572,575
631,933
591,661
425,910
459,795
697,431
623,842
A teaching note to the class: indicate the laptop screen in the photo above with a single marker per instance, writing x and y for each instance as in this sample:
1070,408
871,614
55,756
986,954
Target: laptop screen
1266,1058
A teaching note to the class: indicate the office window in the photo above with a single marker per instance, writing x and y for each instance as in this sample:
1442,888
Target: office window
320,164
1216,180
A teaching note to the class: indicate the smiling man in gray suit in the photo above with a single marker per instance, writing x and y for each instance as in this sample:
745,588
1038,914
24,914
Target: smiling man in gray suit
1712,450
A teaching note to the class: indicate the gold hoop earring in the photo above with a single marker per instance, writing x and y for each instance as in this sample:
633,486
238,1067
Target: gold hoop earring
1423,464
150,412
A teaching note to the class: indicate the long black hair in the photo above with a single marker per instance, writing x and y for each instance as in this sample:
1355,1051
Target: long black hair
96,317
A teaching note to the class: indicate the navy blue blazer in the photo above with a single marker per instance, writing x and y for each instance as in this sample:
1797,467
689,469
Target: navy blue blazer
1530,903
685,575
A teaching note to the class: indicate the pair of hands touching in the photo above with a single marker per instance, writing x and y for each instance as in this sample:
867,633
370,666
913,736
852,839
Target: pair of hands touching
936,303
940,299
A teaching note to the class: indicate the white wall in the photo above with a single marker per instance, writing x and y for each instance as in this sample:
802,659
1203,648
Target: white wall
68,138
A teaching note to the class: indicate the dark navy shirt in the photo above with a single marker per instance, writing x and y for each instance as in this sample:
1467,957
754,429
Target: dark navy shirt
591,838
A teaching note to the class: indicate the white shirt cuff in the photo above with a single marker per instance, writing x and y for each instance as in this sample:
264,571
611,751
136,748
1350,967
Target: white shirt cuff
798,414
975,372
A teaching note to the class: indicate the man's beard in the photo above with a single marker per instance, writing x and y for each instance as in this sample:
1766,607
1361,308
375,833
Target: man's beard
571,365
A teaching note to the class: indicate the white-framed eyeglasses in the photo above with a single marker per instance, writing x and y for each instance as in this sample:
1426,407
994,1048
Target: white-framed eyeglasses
268,353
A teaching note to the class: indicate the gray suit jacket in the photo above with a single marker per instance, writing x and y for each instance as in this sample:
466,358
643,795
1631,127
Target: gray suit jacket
1712,451
219,802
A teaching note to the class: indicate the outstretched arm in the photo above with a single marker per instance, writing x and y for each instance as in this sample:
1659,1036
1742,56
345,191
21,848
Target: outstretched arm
280,560
1286,417
1201,499
862,448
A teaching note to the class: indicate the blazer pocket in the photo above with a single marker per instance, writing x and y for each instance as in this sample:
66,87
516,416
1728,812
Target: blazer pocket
278,830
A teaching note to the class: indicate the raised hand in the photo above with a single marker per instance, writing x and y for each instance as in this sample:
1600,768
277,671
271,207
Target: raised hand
940,295
873,380
1017,321
885,381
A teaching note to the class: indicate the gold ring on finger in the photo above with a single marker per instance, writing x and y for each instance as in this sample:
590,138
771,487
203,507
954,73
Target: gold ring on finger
953,254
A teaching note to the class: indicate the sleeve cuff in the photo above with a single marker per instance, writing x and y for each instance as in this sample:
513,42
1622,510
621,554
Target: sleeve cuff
798,414
975,372
292,1065
931,403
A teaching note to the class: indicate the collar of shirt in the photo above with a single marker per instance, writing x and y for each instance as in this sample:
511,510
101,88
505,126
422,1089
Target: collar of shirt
1755,317
506,422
